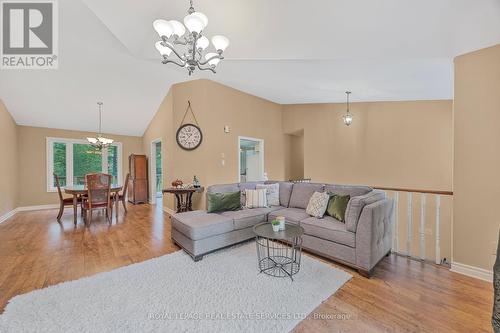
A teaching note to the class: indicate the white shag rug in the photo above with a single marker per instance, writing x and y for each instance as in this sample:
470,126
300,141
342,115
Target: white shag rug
222,293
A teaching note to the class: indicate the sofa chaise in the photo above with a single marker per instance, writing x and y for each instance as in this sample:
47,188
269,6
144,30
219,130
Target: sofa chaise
361,242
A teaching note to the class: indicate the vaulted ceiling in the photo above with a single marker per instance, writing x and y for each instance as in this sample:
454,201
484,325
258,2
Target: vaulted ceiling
287,51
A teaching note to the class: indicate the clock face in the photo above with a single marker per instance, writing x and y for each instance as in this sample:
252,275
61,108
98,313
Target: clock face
189,136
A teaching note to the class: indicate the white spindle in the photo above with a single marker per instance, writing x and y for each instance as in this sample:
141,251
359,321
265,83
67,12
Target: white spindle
422,225
395,238
438,245
409,222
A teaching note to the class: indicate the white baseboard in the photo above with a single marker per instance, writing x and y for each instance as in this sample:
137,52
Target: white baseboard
8,215
168,211
475,272
41,207
13,212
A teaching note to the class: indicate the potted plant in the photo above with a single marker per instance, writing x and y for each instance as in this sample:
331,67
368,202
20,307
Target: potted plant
276,225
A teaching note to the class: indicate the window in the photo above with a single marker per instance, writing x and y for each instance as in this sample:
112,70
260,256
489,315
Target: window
71,160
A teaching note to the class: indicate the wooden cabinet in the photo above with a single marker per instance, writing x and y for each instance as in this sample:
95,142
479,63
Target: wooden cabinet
138,182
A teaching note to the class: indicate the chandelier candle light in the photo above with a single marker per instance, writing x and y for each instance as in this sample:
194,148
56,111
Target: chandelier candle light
100,141
347,118
190,42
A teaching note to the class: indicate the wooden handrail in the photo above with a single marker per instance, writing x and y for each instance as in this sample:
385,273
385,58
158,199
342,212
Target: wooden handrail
412,190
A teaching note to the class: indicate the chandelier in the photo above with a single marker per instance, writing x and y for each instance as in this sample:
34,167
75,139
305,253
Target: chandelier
347,118
100,142
189,47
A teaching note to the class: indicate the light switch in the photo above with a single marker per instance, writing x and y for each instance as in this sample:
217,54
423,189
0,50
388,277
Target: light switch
227,129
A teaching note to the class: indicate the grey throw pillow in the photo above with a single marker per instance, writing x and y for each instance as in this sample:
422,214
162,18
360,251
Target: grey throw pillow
273,193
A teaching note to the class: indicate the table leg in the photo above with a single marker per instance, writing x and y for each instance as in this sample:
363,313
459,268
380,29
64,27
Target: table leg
116,206
75,205
178,198
189,202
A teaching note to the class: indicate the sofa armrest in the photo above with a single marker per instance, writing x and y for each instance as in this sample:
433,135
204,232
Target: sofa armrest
374,233
356,205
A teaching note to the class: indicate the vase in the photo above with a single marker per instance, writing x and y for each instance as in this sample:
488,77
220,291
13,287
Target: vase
281,219
276,227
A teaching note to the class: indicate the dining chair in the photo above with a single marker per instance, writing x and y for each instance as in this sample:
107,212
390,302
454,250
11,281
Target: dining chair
63,202
99,196
123,196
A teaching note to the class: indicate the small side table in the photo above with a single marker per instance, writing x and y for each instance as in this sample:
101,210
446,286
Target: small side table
279,253
184,197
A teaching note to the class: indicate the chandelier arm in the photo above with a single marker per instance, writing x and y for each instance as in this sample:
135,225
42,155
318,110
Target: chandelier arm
206,68
167,61
211,58
175,52
198,52
179,41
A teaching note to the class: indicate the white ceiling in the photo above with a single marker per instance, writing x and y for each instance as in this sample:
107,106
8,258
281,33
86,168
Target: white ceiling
288,51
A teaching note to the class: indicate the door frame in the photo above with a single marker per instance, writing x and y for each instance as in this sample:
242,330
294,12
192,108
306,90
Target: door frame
261,144
152,169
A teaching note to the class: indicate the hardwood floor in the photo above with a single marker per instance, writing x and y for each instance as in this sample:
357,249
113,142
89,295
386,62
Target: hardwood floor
402,296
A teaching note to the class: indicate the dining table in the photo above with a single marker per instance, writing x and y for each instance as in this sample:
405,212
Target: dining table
78,190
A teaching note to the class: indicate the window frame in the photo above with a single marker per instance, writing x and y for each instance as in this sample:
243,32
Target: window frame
69,160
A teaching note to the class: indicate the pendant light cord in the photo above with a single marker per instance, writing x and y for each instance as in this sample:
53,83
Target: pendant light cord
100,117
348,93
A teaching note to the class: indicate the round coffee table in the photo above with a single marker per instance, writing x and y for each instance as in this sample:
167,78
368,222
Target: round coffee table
279,252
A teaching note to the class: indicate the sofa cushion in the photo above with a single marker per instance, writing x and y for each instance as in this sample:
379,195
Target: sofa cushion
317,204
292,215
285,192
302,192
247,186
199,224
330,229
351,190
247,217
272,192
356,205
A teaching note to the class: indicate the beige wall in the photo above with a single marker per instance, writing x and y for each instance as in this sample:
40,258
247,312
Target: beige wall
33,166
392,144
397,144
477,157
8,165
161,127
215,106
294,156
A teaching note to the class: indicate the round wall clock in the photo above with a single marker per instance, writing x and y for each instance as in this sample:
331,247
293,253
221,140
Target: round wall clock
189,136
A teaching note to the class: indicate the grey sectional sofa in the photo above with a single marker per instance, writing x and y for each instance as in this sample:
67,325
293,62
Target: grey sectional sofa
361,242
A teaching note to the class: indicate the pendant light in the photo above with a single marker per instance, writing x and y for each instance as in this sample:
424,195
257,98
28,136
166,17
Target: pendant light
347,118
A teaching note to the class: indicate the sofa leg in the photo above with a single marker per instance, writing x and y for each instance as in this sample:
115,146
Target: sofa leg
197,258
365,273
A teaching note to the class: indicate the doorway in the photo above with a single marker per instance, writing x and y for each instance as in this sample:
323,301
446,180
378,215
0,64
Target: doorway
251,159
156,165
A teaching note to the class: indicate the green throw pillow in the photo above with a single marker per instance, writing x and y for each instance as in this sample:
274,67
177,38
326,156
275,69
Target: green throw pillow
337,206
221,202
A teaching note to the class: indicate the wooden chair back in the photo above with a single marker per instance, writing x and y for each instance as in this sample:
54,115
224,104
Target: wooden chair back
99,189
58,186
125,186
